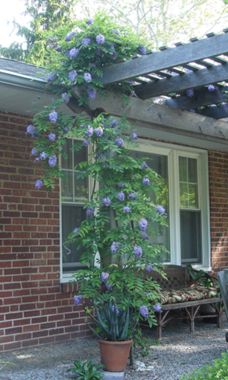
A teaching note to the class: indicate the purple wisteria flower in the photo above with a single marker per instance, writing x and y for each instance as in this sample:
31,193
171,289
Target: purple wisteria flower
104,276
65,97
52,161
69,36
86,41
52,136
91,92
89,132
132,196
157,307
134,136
144,165
53,116
137,251
73,53
34,152
78,299
89,21
149,268
51,76
87,77
31,130
39,184
119,142
143,310
72,75
98,131
211,88
189,92
90,212
121,196
100,39
146,181
126,209
143,224
115,246
106,201
114,123
85,142
142,50
43,156
160,209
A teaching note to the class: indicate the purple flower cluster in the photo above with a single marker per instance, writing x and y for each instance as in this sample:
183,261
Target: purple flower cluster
72,75
160,209
89,21
52,161
52,137
86,41
119,142
91,92
142,50
115,247
89,131
146,181
53,116
157,308
137,251
39,184
113,123
78,300
90,212
143,224
98,131
106,201
87,77
65,97
34,152
211,88
104,276
134,136
100,39
85,142
73,53
121,196
69,36
31,130
51,76
126,209
43,156
189,92
149,268
143,310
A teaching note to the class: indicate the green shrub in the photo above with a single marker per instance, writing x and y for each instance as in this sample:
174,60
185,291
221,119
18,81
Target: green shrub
86,370
216,371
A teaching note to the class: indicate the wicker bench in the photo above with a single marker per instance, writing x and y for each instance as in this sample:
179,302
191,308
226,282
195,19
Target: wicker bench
177,287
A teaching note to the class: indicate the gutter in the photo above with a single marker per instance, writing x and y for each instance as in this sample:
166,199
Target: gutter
23,81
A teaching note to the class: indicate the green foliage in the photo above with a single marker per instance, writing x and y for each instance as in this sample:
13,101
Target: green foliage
201,277
217,371
126,196
86,370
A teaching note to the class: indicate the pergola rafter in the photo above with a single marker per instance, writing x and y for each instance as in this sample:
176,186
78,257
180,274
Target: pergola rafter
172,71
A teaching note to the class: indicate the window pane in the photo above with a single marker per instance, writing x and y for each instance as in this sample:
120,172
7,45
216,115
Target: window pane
66,161
191,241
80,187
71,218
159,234
79,155
67,186
188,183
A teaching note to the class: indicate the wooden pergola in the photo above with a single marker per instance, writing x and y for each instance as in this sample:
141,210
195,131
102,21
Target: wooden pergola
192,76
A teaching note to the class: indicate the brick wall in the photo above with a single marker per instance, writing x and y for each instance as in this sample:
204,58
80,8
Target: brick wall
34,308
218,185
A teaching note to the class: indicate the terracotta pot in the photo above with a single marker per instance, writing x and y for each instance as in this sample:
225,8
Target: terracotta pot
114,355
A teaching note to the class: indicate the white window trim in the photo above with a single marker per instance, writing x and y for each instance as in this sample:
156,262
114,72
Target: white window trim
172,151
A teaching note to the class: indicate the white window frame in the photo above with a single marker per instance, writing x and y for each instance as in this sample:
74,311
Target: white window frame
172,151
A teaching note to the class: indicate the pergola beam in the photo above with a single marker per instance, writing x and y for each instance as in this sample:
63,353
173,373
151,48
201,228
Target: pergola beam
164,116
179,83
194,51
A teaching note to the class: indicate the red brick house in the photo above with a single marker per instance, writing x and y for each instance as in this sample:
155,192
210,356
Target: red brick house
188,149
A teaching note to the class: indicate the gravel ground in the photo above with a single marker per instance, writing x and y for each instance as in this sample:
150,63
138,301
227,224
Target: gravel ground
178,353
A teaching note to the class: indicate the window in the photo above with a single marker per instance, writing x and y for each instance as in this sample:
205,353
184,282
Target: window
185,174
74,193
